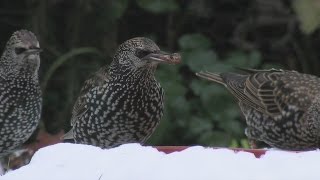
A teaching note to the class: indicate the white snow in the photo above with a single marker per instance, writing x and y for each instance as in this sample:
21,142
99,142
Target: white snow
82,162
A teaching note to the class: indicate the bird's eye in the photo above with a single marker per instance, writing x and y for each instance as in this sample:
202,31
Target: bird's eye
20,50
142,53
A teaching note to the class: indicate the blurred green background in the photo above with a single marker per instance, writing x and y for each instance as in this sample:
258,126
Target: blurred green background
79,36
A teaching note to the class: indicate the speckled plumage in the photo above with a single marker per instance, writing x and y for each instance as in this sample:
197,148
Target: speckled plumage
20,95
282,108
122,103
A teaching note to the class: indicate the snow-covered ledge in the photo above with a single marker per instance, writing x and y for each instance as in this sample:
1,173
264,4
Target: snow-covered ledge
66,161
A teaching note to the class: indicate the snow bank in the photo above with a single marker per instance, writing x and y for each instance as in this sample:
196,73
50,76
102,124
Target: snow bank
82,162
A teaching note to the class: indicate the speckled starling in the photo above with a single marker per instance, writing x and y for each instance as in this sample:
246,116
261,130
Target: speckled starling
282,108
122,103
20,95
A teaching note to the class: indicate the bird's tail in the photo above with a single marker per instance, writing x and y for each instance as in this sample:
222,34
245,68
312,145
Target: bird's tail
215,77
68,135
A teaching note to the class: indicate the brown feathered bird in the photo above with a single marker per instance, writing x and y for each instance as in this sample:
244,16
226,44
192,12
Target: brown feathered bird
123,102
282,108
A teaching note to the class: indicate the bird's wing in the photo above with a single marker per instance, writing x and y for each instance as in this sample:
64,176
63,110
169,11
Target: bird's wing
97,80
274,92
261,88
236,84
10,110
68,135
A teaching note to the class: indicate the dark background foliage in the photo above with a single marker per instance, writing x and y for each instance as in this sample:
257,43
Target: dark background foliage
79,36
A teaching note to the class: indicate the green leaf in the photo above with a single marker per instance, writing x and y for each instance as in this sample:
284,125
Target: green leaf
200,8
308,14
254,59
199,59
215,138
171,81
244,143
118,8
215,100
272,65
180,105
241,59
168,72
220,67
174,89
63,59
158,6
107,12
199,125
230,121
162,132
203,87
194,41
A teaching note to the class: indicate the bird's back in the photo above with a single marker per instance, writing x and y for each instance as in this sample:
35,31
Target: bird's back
279,106
96,80
270,91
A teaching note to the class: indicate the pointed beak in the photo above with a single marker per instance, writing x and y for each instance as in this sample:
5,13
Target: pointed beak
164,57
34,50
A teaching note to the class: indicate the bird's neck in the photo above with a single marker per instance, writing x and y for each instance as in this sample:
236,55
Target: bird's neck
143,74
11,70
29,71
137,75
7,67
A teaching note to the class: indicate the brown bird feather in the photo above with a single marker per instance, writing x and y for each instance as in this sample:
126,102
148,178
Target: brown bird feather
280,106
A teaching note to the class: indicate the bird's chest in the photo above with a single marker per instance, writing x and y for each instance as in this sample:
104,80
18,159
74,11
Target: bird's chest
20,105
128,104
293,129
289,118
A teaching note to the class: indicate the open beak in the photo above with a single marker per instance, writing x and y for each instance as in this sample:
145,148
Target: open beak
163,57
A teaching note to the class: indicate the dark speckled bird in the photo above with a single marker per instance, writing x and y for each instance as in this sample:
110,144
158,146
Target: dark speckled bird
122,103
282,108
20,95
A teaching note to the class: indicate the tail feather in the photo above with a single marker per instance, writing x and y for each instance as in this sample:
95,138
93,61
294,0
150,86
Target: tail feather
252,71
215,77
68,135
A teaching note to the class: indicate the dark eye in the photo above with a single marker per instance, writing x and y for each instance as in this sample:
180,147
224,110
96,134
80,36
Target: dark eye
142,53
20,50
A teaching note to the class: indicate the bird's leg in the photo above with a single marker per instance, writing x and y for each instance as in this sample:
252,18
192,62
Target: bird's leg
2,168
253,143
251,133
18,158
8,163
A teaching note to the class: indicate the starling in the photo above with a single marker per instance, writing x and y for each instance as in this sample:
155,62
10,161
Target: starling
20,95
281,107
122,103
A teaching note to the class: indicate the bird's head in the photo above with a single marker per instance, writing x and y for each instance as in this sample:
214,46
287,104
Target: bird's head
22,53
141,53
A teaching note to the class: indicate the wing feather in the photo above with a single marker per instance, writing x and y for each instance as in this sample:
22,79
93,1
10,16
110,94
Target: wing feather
97,80
272,91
